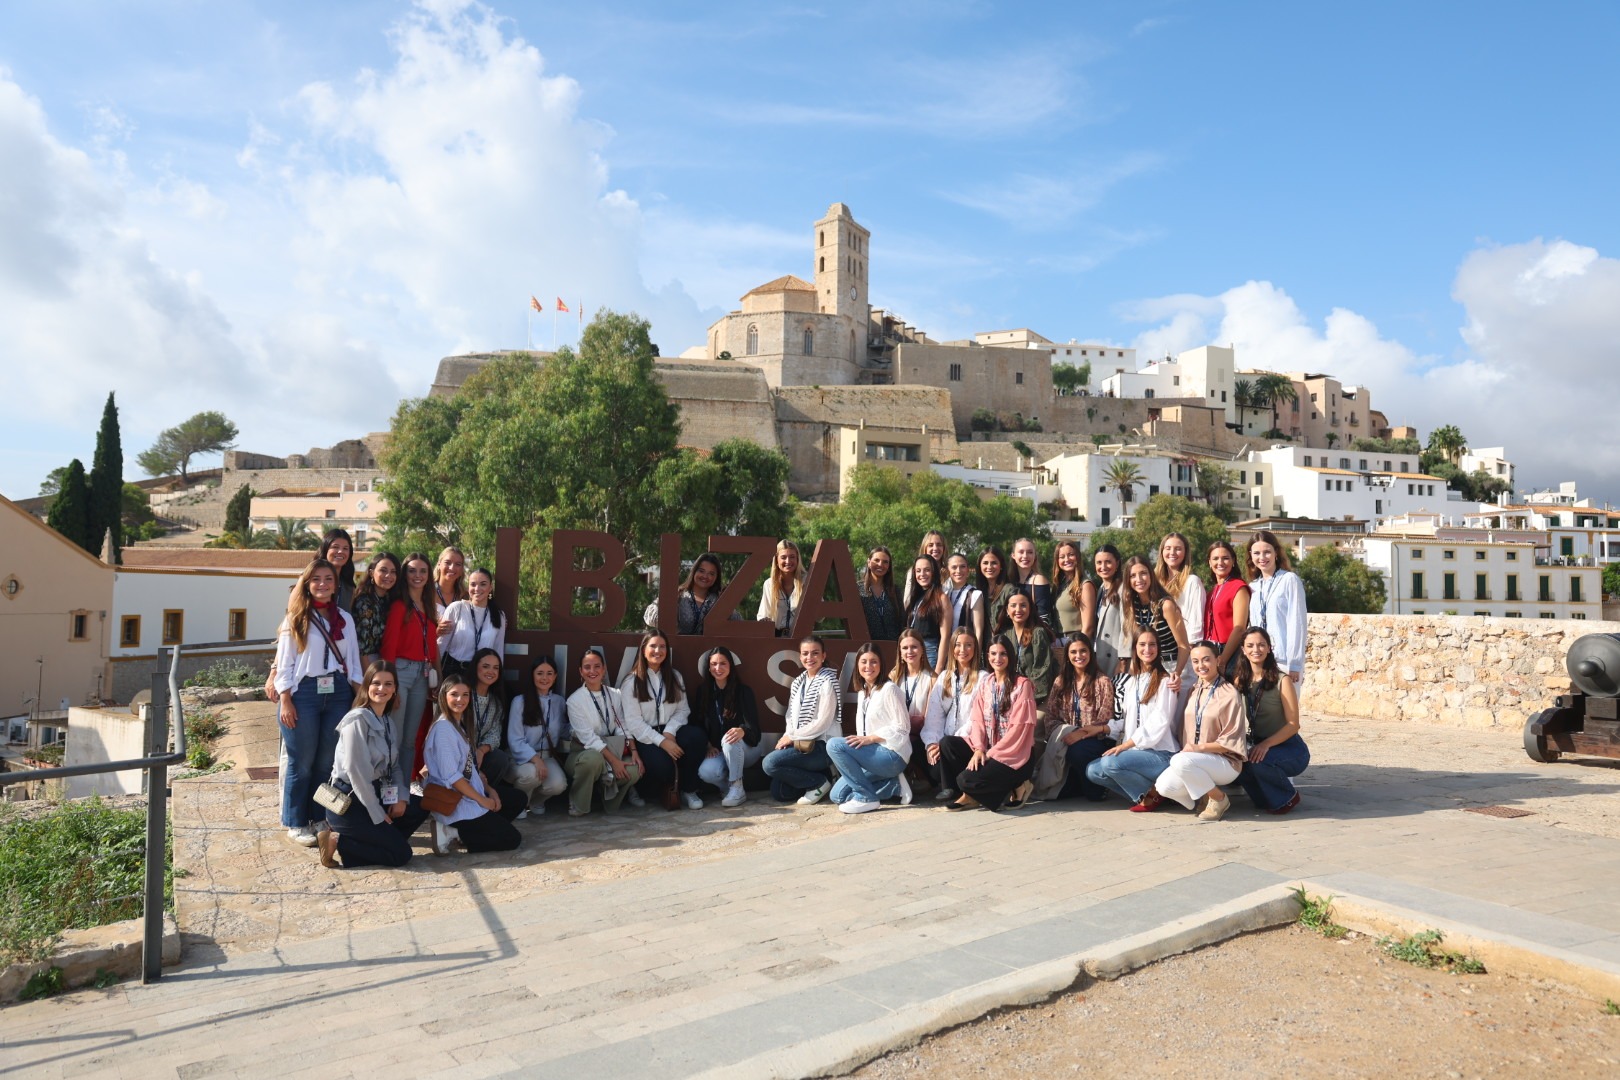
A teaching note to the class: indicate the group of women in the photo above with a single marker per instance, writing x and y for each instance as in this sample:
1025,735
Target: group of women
1010,685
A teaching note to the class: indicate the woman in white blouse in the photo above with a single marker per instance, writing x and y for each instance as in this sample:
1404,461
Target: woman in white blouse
784,589
1145,733
1180,580
915,678
872,762
473,624
949,715
656,708
536,732
602,751
1277,603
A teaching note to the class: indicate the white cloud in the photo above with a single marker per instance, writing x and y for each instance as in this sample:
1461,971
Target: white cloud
1542,323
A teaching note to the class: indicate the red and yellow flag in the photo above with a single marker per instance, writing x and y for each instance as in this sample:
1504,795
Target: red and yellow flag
535,303
560,305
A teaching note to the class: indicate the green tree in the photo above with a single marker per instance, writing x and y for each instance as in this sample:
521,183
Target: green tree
1067,378
1448,442
1123,476
1271,390
1214,481
1337,582
983,420
1611,579
239,510
107,482
290,534
205,433
70,511
53,481
1164,514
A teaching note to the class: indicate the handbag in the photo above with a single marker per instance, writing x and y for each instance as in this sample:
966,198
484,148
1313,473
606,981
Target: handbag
334,799
804,746
438,799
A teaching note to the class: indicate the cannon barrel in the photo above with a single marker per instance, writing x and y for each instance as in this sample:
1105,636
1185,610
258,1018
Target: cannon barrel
1593,664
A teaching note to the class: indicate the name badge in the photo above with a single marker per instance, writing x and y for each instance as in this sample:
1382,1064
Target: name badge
390,795
325,684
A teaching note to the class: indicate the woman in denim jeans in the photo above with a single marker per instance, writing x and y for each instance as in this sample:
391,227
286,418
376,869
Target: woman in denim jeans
410,643
872,762
1276,752
317,663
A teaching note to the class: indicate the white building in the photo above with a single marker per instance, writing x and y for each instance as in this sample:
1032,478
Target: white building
1031,484
1345,484
1082,482
1572,534
1205,373
1492,460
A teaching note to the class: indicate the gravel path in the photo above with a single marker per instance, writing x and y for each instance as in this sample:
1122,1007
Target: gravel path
1282,1003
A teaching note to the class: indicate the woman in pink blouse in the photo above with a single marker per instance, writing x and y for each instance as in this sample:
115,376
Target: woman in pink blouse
1002,735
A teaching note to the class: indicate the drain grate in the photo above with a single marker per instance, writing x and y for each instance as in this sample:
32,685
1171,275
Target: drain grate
263,772
1500,811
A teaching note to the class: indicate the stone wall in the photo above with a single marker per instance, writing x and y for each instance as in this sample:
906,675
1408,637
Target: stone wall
808,419
1456,671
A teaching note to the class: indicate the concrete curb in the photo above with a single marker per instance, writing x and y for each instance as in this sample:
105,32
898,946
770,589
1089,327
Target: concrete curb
842,1051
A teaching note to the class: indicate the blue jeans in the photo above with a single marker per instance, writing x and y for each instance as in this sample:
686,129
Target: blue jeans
310,748
792,773
1268,782
867,773
1129,772
409,705
727,767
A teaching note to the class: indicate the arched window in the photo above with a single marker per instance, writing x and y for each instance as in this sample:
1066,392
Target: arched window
752,348
823,267
809,340
821,238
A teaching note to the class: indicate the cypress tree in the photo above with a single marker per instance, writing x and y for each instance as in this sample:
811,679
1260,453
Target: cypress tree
70,513
237,512
107,484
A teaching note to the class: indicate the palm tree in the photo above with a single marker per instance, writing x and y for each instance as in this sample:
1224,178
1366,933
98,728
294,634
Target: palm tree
1273,389
1448,440
1123,476
292,534
1332,439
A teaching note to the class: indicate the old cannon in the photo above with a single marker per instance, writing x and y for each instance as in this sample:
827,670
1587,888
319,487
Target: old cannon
1587,719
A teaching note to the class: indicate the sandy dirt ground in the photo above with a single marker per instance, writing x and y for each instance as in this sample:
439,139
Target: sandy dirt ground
1282,1003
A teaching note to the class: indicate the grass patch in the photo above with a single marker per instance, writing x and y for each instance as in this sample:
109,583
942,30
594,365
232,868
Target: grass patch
227,674
1611,1007
1316,913
79,866
1423,950
216,767
203,730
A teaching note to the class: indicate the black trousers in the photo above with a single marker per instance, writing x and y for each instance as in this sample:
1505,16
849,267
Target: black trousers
513,801
490,831
1079,755
992,782
663,769
363,842
954,755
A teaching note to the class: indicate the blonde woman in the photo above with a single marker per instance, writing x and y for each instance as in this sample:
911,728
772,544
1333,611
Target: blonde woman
1180,580
779,604
915,680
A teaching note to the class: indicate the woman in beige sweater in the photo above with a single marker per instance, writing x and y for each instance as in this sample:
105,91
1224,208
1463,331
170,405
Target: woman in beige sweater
1213,742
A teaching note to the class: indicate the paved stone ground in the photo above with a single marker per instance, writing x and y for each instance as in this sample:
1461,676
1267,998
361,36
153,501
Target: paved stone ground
692,941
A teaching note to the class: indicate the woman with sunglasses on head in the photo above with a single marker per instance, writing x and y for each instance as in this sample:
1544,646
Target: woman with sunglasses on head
967,602
1226,611
928,612
656,708
1025,578
536,733
602,753
316,668
731,717
411,644
475,623
1145,732
992,583
1277,603
1074,596
1213,743
799,767
880,600
382,815
1002,736
872,762
480,820
784,589
372,599
1077,726
1276,753
950,714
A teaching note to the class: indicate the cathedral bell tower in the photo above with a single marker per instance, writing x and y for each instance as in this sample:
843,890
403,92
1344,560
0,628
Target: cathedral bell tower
841,261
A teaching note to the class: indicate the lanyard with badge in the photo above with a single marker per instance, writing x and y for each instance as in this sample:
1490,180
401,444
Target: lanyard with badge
389,792
606,714
327,684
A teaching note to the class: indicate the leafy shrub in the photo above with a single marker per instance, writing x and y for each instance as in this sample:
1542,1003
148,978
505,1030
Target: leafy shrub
227,674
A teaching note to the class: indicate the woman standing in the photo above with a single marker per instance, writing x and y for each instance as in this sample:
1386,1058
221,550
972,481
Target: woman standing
410,644
1152,609
377,829
800,764
784,591
992,583
1212,743
474,624
479,820
1277,604
376,594
933,545
1026,579
950,714
698,593
1074,603
872,762
1031,645
489,729
1002,735
967,602
655,712
1077,727
1115,631
915,681
1146,731
1181,583
536,734
929,612
603,753
880,600
338,549
731,718
317,663
1227,611
450,577
1276,753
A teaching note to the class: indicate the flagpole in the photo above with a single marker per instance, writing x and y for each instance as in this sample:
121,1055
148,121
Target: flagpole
528,336
554,329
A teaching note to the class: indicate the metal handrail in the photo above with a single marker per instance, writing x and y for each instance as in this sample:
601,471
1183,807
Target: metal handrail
156,766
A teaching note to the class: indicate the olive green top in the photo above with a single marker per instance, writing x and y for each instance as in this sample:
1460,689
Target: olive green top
1266,716
1068,613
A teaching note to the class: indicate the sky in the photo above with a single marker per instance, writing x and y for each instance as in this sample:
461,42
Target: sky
289,211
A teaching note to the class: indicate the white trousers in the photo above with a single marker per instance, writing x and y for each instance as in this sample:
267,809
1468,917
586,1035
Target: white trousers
1192,775
526,777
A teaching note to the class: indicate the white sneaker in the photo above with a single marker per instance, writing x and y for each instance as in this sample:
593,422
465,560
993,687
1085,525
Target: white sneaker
905,790
858,806
523,813
302,835
810,798
635,799
443,836
736,796
693,802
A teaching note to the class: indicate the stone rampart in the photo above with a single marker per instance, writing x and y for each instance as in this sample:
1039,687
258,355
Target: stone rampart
1459,671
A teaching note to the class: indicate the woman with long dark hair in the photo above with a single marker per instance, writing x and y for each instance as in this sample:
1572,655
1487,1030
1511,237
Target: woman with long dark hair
1146,730
338,549
730,716
410,642
475,623
697,594
880,600
1226,610
536,733
1151,608
1276,753
799,767
1077,726
602,752
1031,643
489,727
1277,603
1025,577
929,612
1002,735
372,599
872,762
1115,631
992,583
1212,742
656,707
480,820
1074,596
1179,578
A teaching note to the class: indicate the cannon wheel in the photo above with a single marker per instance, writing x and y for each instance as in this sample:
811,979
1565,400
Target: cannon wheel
1535,744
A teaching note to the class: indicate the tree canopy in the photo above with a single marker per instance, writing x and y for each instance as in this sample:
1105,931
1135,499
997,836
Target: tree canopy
205,433
1160,515
107,482
70,511
1337,582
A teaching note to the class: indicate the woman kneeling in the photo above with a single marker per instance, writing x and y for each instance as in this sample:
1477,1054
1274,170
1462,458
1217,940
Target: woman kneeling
1276,752
872,762
381,817
1212,742
479,819
1002,735
1147,730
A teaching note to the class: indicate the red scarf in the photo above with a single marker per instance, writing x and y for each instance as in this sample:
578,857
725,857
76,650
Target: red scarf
334,619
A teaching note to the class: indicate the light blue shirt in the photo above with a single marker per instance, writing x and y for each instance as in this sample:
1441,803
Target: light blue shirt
1277,605
445,754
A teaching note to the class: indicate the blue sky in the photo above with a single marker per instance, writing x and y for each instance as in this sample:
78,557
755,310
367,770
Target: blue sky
290,211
